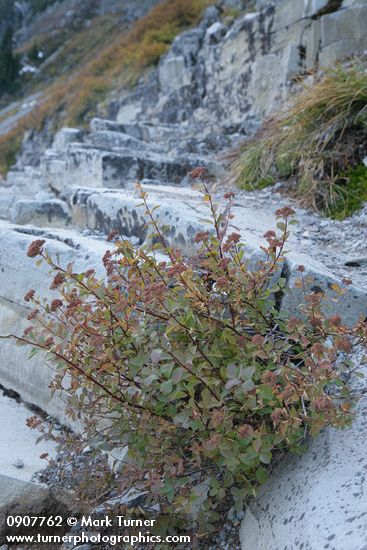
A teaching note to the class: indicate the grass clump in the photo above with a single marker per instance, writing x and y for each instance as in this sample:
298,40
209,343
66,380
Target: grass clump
192,365
353,195
318,142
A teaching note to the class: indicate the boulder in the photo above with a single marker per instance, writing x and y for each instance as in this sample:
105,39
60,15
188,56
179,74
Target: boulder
101,125
336,40
350,302
173,73
53,168
121,212
336,26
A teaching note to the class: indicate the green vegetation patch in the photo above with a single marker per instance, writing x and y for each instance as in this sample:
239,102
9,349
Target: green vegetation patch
352,194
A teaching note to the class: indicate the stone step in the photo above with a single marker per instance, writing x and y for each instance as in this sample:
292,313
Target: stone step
85,165
194,137
8,198
148,131
26,177
50,213
65,136
21,184
119,211
110,140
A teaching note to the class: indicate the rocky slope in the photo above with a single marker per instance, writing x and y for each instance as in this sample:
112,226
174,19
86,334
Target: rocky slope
215,86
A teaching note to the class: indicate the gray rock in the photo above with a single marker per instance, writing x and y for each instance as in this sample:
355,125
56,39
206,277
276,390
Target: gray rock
101,125
215,32
107,139
336,26
84,165
121,212
352,305
50,213
173,73
316,500
66,136
211,14
130,499
349,3
19,497
30,378
116,459
336,41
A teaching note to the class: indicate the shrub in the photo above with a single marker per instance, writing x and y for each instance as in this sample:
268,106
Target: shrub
189,362
317,141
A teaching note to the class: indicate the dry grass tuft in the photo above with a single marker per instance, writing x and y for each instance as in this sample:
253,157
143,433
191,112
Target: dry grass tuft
317,141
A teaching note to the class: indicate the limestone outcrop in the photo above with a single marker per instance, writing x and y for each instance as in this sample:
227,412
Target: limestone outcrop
214,87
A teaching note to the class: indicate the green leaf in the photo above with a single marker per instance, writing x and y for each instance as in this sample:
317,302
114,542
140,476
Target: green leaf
248,372
166,387
257,444
266,457
232,370
266,392
261,475
248,385
178,395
